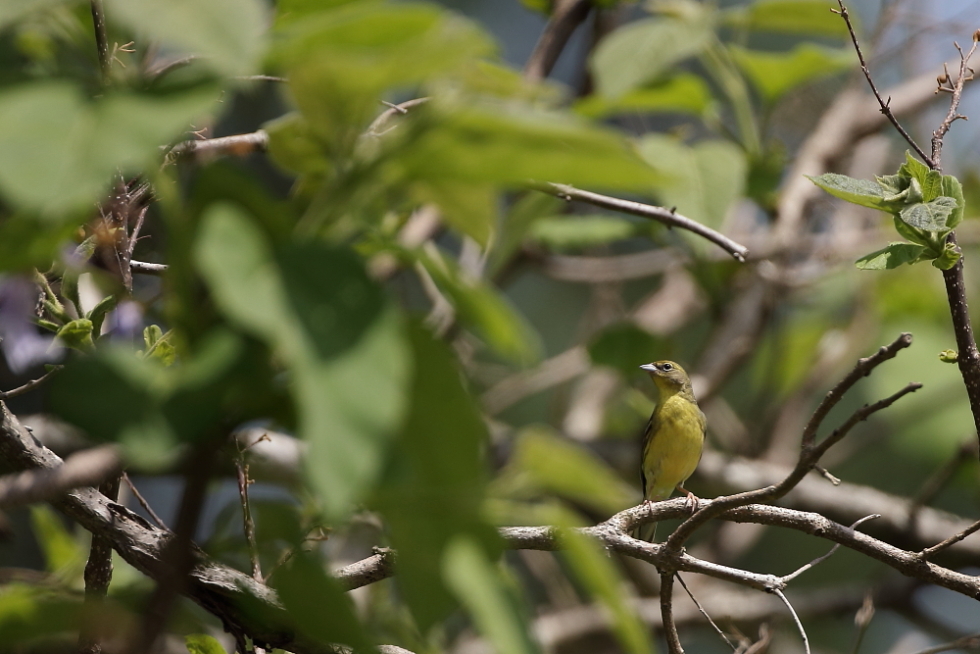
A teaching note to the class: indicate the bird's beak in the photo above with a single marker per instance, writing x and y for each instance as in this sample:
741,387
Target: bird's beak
649,367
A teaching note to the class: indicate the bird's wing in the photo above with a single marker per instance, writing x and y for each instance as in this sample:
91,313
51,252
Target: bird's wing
651,429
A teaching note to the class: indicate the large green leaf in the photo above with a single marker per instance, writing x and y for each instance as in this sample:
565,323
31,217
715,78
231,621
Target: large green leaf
437,462
340,61
804,17
683,93
314,600
596,571
931,216
890,257
706,177
643,50
228,35
862,192
479,586
510,146
546,463
775,73
337,333
53,138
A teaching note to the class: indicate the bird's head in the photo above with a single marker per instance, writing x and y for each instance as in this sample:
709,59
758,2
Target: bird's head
668,376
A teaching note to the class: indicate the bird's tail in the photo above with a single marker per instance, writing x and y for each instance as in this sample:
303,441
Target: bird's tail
647,532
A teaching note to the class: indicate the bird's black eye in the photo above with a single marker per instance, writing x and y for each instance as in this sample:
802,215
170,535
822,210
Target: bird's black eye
667,366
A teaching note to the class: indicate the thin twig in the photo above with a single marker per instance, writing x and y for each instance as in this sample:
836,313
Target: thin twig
238,145
29,386
820,559
956,92
660,214
374,129
143,503
885,108
863,368
929,552
249,524
705,613
667,613
796,619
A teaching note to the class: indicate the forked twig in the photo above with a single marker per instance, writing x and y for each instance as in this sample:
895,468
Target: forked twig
820,559
929,552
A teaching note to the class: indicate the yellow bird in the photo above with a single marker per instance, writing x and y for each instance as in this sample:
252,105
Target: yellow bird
673,439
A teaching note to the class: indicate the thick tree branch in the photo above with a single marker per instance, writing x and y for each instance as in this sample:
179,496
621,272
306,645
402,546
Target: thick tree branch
566,16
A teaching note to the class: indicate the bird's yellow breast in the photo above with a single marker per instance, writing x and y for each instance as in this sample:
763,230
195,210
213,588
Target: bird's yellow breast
673,447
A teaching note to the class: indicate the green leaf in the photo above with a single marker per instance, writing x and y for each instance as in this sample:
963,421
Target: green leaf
98,313
804,17
547,463
683,93
890,257
930,216
775,73
950,256
470,208
487,311
321,610
61,551
77,334
951,188
575,231
53,138
228,35
477,583
335,330
641,51
862,192
29,242
512,146
521,216
203,644
707,177
913,234
596,571
342,60
625,347
437,461
29,614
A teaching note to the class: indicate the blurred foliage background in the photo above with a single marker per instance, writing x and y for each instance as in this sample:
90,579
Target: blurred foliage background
409,345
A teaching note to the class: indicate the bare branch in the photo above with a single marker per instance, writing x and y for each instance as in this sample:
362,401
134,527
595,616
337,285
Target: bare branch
660,214
87,468
929,552
862,369
964,75
143,503
237,145
566,16
29,386
101,40
667,613
820,559
885,104
796,619
148,268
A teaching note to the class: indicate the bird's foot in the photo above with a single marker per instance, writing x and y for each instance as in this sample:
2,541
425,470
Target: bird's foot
692,503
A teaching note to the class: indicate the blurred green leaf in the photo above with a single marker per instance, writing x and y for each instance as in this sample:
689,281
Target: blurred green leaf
336,331
513,146
341,60
575,231
475,580
53,138
30,614
948,258
641,51
321,610
707,177
683,93
545,462
596,571
27,243
294,145
437,461
77,334
775,73
625,347
804,17
99,311
470,208
892,256
227,35
62,552
203,644
521,216
486,310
